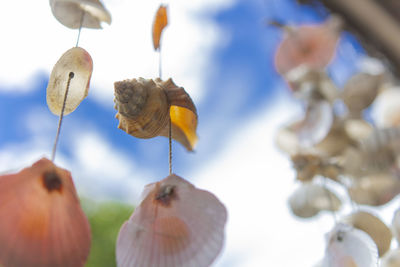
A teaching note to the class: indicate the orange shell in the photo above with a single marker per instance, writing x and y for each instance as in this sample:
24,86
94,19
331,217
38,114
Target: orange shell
175,225
160,22
42,223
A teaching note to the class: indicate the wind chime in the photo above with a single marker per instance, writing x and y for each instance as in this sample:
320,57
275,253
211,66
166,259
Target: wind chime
341,150
175,224
42,222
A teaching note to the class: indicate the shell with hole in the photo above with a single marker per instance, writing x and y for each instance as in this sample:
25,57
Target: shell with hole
72,70
42,221
176,224
349,247
145,107
309,199
374,227
74,13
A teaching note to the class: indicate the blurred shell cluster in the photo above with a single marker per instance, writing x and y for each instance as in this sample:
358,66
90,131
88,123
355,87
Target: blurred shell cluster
348,140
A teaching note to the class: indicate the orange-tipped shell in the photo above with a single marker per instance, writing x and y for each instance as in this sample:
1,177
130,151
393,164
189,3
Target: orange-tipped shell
42,223
175,225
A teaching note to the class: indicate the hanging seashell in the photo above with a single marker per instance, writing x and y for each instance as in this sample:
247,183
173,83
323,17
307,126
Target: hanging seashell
309,199
311,84
74,13
312,45
386,108
160,22
374,227
73,71
316,124
42,222
360,91
396,225
174,225
357,129
287,141
309,165
375,190
349,247
145,107
391,258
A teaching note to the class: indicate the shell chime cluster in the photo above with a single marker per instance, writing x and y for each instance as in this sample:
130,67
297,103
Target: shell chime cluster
175,224
335,146
42,221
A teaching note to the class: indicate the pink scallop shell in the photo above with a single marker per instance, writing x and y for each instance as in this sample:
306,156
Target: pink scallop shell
175,225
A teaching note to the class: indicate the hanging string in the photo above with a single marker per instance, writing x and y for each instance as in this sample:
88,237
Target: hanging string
169,121
53,153
80,28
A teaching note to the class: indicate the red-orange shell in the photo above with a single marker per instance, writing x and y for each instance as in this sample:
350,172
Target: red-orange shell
42,223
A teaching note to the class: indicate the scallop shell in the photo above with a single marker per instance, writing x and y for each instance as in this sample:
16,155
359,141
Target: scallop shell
309,199
73,13
145,107
74,70
391,258
349,247
312,45
374,227
42,221
360,91
175,225
375,190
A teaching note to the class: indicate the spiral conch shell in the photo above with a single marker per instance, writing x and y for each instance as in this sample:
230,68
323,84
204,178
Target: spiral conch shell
145,107
42,223
176,224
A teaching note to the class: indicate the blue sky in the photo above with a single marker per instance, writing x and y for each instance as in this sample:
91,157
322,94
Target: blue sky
222,53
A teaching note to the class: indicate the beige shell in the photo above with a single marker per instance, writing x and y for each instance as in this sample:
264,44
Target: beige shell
360,91
357,129
309,165
42,221
374,227
73,13
176,224
391,258
72,70
309,199
375,189
144,109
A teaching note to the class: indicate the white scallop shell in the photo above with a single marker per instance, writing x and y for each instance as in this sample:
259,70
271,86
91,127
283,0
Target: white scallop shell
175,225
71,13
309,199
77,61
349,247
373,226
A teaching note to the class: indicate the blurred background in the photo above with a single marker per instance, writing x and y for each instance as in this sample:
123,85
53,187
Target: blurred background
222,53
